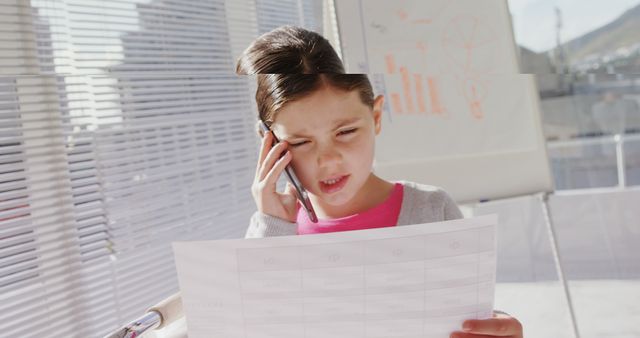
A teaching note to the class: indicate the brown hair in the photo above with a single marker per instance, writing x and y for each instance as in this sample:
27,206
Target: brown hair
292,62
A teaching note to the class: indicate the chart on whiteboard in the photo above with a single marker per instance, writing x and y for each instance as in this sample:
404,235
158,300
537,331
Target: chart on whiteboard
445,115
466,37
448,72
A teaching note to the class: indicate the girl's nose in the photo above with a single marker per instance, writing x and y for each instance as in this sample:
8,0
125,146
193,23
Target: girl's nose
328,157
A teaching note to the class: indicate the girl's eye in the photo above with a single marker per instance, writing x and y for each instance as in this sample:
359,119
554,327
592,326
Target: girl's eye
345,132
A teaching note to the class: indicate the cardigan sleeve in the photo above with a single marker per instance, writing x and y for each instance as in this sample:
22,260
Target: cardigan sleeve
263,225
451,209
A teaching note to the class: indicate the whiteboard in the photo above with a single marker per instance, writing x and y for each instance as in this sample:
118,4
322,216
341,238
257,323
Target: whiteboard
457,112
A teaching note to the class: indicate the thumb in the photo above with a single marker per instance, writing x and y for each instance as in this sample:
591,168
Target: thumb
290,190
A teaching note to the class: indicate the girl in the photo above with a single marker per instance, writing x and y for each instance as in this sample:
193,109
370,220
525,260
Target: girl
327,122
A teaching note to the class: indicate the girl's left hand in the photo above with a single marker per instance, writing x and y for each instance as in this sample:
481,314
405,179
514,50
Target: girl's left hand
501,325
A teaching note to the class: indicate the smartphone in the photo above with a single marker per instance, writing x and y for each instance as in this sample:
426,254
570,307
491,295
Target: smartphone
302,195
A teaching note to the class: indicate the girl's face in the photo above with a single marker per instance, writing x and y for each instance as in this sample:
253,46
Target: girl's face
331,135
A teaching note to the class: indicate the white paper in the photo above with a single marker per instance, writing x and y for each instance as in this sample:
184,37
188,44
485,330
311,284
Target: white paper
408,281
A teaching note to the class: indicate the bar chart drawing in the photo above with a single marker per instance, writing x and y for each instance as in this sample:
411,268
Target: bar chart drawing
420,91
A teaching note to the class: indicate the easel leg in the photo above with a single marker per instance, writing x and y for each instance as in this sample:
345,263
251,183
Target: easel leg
544,199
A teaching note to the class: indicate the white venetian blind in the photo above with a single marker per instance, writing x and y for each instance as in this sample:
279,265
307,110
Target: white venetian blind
122,128
276,13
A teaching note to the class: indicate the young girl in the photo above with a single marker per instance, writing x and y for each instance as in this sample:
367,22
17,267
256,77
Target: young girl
327,122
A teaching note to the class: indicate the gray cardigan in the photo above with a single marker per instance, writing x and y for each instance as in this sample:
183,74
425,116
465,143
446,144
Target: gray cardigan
421,203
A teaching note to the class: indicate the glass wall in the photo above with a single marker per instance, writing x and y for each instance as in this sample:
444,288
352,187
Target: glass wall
587,61
586,55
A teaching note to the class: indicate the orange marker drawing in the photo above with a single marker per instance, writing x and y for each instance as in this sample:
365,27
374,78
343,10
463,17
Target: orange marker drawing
475,104
422,107
391,64
396,103
402,14
466,38
476,110
406,86
424,21
422,48
436,105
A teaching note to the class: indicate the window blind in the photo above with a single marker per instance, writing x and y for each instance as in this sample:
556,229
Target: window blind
276,13
122,128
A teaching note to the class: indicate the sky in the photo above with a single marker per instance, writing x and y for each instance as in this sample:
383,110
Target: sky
534,20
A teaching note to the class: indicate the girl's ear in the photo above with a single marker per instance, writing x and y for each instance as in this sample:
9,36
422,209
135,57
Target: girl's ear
378,103
259,130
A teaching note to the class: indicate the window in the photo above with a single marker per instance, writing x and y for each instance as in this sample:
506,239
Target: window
123,128
587,62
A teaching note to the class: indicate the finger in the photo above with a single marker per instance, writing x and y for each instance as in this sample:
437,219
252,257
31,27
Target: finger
468,335
272,157
500,314
501,327
277,169
291,195
265,146
290,189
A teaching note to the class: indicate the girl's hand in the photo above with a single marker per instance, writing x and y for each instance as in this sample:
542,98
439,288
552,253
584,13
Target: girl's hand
501,325
263,189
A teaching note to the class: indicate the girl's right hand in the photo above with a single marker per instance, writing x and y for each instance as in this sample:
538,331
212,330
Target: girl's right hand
263,189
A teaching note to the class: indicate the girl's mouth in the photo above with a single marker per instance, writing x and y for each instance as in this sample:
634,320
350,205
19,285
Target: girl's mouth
333,185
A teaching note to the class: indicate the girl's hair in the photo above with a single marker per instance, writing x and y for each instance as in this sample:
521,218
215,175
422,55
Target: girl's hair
292,62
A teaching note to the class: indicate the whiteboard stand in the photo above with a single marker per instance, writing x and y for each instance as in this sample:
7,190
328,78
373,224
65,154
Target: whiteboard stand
544,200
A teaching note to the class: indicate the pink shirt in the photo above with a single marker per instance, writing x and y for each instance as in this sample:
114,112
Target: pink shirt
383,215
